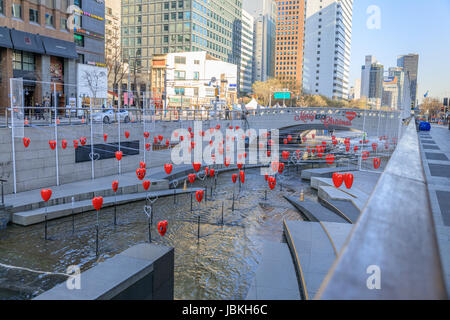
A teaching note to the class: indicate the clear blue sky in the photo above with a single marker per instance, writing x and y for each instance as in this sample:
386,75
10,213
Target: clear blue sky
407,26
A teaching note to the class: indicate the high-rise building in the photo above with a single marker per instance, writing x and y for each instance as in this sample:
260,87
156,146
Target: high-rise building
89,31
289,43
376,81
327,41
410,65
113,48
390,93
246,66
365,75
37,45
400,75
264,13
157,27
357,89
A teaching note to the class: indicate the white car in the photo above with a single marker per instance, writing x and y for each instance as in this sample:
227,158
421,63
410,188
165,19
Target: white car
108,116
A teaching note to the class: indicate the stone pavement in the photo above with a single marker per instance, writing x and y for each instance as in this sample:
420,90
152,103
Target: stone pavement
435,152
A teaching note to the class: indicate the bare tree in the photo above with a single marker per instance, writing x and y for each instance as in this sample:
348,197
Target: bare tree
93,80
113,58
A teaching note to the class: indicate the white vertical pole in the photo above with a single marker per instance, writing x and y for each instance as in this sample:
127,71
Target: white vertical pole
56,133
118,119
364,128
12,133
92,139
144,114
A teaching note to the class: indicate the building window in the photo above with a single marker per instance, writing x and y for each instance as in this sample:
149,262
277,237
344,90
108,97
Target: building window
63,24
49,19
79,40
180,75
77,21
196,76
23,61
77,3
2,10
16,10
34,16
179,91
180,60
196,61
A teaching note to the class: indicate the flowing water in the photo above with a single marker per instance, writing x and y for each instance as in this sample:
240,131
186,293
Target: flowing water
220,265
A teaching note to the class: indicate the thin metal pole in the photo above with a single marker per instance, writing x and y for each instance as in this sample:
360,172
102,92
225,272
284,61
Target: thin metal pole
115,209
222,212
45,231
13,134
56,134
92,140
96,237
118,127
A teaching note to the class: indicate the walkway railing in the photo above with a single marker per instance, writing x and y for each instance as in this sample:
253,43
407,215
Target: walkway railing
392,252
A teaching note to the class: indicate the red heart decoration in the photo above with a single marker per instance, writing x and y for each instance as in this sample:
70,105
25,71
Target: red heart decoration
230,127
181,138
64,143
75,144
272,182
97,202
196,166
212,172
140,172
365,155
52,144
285,155
268,153
350,115
237,127
155,139
199,195
210,142
127,134
189,129
285,141
147,146
227,162
266,177
289,137
234,177
26,142
168,168
329,158
146,184
162,227
46,194
192,144
146,134
160,137
105,137
355,148
374,146
141,164
119,155
348,179
191,177
206,170
83,141
347,147
270,142
245,154
242,176
338,178
275,166
281,168
324,143
239,165
167,142
376,163
192,135
115,185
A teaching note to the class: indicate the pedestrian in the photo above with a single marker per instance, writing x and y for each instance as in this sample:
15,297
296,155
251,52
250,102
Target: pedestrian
227,113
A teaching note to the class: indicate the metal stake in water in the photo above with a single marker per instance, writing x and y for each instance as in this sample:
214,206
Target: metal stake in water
45,231
73,216
96,237
222,212
115,208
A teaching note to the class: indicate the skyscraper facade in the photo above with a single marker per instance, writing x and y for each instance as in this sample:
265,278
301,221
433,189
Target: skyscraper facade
263,38
289,43
327,41
161,26
400,74
246,65
410,65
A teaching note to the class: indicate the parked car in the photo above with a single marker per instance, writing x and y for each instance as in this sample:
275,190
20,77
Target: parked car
107,116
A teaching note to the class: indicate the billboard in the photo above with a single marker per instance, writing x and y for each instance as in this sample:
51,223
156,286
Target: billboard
92,81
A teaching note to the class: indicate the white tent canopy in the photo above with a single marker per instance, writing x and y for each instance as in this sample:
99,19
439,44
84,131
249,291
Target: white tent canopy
253,104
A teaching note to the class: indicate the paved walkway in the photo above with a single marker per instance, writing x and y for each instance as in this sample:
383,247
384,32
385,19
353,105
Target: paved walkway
435,149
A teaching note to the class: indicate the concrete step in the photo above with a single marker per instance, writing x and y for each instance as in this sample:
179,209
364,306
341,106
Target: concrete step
314,247
324,172
30,217
315,212
356,197
342,208
275,278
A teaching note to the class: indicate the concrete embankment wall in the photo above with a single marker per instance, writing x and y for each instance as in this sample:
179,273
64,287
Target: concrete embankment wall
142,272
36,165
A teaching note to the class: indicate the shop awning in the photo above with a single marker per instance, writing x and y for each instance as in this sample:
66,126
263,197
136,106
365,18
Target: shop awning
26,41
59,48
5,38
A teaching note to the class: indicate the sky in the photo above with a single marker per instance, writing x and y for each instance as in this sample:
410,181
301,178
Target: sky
406,26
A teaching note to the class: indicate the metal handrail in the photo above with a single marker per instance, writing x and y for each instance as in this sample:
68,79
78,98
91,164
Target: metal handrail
394,239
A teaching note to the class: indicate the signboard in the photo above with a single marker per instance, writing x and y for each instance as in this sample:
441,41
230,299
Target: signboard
92,82
282,95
